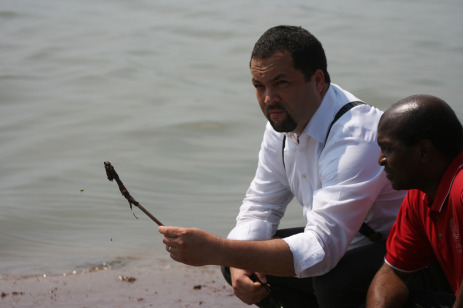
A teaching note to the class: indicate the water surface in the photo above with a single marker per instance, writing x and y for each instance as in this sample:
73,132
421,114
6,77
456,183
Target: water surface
162,90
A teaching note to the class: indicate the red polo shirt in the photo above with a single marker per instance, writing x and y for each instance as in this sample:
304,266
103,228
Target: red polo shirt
426,230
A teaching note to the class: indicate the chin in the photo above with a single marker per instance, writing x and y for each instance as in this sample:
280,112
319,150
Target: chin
283,127
395,185
399,186
277,127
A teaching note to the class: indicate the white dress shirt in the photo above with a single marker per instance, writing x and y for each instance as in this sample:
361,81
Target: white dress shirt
339,185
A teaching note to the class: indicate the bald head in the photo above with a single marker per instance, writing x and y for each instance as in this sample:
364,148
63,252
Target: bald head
421,117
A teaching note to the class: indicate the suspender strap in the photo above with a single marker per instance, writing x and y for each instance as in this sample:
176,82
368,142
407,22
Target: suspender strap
370,233
341,112
283,151
365,229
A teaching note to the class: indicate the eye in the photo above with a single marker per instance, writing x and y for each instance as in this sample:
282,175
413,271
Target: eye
387,151
384,149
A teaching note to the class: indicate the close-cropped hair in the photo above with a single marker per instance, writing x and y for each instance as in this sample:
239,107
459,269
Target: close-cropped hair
437,123
306,50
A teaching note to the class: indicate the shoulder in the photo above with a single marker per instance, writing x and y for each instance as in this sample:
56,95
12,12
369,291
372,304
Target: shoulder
458,180
364,118
359,122
456,192
414,205
343,97
354,135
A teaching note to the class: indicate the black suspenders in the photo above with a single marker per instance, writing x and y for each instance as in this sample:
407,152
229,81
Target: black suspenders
364,229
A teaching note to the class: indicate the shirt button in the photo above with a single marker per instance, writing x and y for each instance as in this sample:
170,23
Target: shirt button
440,235
304,176
300,149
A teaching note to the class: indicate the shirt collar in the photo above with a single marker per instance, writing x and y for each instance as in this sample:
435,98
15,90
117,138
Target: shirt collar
446,183
318,124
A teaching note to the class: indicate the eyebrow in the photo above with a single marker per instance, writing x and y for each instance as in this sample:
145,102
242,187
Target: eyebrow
277,77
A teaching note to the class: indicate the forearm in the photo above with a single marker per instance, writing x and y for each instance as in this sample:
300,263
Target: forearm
459,300
197,247
272,257
387,290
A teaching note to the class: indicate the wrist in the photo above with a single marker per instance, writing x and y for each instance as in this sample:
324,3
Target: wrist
219,251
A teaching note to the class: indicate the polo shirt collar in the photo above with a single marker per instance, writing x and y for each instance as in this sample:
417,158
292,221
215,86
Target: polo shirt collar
446,183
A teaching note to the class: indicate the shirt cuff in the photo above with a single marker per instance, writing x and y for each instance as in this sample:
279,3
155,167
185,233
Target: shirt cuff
307,252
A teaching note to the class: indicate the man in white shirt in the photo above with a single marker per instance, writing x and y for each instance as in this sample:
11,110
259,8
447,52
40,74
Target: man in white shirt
329,166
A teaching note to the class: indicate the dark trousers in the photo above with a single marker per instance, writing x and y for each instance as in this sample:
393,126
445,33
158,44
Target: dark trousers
429,288
345,286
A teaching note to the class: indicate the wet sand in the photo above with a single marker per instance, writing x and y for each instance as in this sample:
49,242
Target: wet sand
167,285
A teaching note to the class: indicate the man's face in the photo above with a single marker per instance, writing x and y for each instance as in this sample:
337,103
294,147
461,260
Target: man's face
400,161
287,100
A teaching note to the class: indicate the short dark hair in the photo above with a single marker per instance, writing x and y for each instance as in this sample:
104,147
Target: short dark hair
305,49
429,117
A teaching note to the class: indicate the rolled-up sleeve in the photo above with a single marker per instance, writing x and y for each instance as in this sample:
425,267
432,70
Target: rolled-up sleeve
350,181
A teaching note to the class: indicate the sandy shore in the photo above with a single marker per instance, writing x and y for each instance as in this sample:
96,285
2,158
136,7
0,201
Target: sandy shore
168,285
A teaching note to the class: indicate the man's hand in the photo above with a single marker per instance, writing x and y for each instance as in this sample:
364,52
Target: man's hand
245,289
191,246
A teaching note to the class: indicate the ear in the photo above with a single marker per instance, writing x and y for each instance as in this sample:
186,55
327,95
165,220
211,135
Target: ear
319,80
426,149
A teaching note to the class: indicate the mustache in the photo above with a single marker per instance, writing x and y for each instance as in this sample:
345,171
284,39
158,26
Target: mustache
275,106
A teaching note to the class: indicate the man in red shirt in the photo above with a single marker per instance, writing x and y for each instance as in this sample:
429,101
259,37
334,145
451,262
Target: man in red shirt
421,142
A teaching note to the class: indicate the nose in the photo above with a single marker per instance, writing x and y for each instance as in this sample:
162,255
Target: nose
271,97
381,159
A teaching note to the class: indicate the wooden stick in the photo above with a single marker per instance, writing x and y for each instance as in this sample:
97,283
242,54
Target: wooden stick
112,175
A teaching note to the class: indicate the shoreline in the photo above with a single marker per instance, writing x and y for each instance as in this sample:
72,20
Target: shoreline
168,284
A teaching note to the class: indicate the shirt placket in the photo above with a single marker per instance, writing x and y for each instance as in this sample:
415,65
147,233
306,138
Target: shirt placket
438,225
